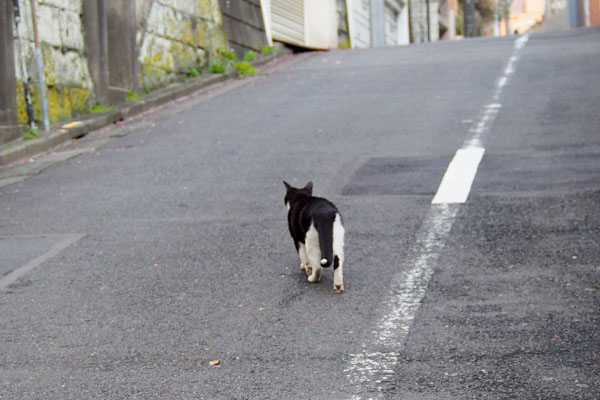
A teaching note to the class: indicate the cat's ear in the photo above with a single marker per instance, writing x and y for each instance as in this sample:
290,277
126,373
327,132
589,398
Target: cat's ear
287,185
309,187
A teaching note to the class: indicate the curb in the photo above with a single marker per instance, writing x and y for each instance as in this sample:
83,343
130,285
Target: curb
19,149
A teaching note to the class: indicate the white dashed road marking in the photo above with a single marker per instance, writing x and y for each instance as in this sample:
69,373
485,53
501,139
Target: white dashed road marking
369,370
459,176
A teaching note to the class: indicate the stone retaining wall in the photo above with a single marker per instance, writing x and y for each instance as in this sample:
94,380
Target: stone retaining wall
96,51
175,36
66,72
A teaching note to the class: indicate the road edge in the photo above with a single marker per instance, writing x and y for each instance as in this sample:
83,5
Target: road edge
64,131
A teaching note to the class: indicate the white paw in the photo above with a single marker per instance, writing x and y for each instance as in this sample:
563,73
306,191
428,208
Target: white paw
308,269
338,288
316,276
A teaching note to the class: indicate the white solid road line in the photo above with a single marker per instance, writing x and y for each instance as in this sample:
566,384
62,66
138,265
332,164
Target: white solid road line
374,365
63,242
369,371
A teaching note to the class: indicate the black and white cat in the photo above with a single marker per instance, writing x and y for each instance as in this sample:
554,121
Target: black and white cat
316,227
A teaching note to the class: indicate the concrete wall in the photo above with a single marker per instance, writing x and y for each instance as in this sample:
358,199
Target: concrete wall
174,36
525,14
447,19
343,28
594,12
8,104
420,30
123,72
360,23
377,23
96,51
583,12
243,25
96,43
69,85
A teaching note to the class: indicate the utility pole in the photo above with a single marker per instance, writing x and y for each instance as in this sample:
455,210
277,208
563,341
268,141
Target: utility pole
38,59
428,22
470,25
506,6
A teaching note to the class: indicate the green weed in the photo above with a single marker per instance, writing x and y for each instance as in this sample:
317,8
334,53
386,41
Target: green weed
99,108
193,73
218,67
131,96
225,58
250,55
227,54
245,68
267,50
32,133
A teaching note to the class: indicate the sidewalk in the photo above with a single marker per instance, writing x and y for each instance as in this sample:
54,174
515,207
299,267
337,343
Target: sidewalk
65,131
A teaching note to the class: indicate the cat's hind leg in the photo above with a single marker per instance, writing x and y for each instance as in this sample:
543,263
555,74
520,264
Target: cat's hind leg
304,263
338,258
313,252
338,274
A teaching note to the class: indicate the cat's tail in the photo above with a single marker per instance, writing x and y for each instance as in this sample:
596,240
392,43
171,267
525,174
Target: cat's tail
325,229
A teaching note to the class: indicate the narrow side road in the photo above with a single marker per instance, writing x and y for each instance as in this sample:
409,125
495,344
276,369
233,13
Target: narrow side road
183,255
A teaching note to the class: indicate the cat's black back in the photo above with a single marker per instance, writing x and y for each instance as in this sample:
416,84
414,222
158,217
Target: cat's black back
318,232
307,210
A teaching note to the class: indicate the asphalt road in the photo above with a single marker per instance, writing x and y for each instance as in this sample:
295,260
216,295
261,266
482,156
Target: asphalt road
162,245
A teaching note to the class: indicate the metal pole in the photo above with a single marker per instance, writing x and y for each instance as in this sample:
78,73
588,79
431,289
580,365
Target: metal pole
428,23
470,27
38,59
30,117
507,4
